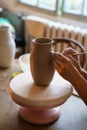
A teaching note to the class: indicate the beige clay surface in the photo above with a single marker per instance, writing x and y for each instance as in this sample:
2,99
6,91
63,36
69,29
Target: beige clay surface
24,91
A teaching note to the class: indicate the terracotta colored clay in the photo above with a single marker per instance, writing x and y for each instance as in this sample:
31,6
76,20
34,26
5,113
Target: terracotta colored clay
42,68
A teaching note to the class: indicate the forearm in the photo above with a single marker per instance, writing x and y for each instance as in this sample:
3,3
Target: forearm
80,84
84,73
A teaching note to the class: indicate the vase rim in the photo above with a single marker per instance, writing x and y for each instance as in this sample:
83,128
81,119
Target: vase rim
42,40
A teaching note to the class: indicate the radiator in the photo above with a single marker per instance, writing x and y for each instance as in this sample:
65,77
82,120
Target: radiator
56,29
41,27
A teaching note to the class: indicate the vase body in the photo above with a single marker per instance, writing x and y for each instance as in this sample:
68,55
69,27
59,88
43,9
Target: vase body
7,47
41,65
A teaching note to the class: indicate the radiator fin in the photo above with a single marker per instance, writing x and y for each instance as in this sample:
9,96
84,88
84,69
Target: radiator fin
57,30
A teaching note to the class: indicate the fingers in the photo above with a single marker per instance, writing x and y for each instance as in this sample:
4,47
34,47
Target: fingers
74,61
60,58
69,51
59,67
55,60
59,62
72,58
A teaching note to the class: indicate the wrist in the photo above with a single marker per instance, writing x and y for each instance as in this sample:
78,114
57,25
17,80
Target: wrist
76,76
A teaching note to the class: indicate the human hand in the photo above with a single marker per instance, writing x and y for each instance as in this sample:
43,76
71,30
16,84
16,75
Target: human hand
69,52
64,66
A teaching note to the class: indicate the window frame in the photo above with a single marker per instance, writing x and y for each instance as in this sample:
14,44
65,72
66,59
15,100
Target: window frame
39,8
55,12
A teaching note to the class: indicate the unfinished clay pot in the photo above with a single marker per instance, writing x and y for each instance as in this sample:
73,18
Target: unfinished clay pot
41,65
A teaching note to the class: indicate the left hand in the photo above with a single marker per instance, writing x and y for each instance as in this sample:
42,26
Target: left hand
69,52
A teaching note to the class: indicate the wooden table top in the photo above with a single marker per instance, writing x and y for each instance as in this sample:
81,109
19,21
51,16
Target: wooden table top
73,111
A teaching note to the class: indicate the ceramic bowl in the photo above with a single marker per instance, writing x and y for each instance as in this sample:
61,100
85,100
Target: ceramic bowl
24,62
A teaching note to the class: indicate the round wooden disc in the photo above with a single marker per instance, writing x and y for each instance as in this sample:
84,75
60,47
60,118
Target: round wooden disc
25,93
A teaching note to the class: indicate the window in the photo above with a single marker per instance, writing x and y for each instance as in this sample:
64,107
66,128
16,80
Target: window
44,4
77,7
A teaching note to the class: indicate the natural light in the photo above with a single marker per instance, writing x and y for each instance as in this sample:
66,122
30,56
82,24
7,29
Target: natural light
78,7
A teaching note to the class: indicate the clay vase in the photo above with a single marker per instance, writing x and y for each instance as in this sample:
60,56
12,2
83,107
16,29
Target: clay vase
41,65
7,47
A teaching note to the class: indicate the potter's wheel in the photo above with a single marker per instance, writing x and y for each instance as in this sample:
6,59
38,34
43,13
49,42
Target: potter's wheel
39,104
